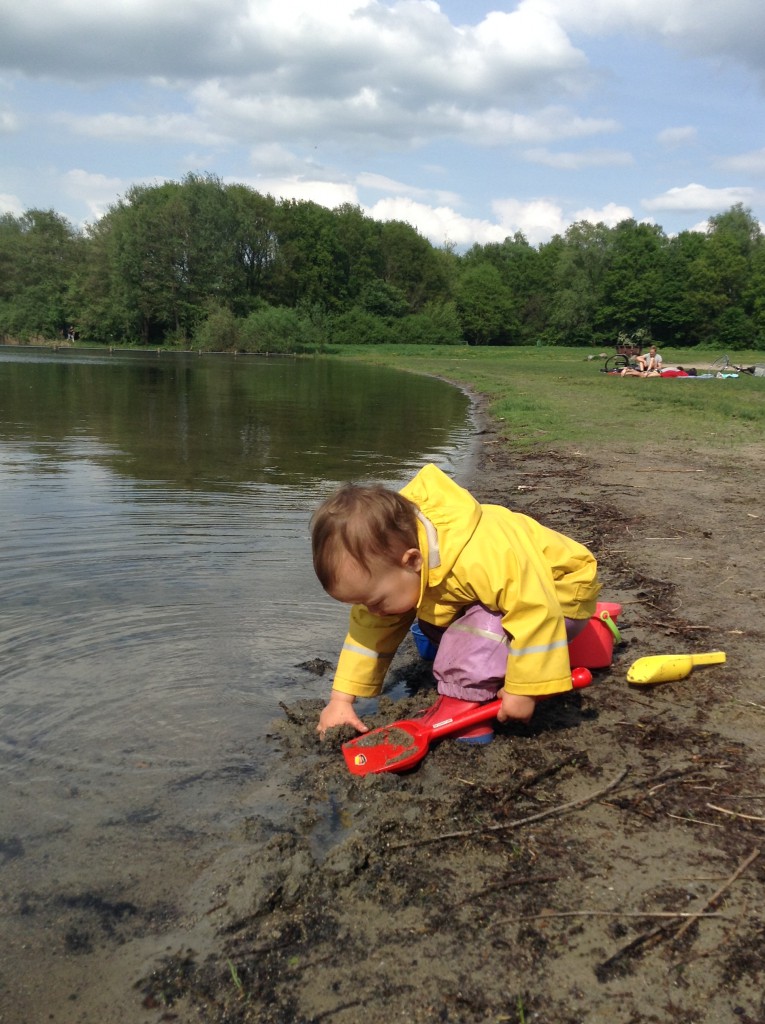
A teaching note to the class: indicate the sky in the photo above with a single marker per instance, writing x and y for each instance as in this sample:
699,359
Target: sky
470,120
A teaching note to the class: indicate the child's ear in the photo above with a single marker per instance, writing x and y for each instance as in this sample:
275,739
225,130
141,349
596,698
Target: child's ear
412,559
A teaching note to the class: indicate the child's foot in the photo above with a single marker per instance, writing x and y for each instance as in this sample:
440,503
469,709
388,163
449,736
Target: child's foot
453,707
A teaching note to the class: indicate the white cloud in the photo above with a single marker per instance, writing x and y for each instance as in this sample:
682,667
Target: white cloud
9,122
577,161
540,219
382,183
441,225
745,163
325,193
681,136
698,197
396,72
96,191
611,214
495,126
537,219
734,30
142,127
11,204
273,157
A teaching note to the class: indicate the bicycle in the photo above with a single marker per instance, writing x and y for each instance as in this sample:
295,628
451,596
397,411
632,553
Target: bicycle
723,365
626,355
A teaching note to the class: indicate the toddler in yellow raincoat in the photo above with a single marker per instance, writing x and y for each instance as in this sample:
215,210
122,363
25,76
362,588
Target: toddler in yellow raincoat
500,594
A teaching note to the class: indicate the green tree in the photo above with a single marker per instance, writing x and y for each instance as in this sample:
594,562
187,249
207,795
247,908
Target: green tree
578,282
485,306
678,316
255,247
521,271
309,266
40,253
631,279
411,264
360,253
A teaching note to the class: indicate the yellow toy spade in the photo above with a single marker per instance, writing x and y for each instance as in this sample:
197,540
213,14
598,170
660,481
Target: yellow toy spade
665,668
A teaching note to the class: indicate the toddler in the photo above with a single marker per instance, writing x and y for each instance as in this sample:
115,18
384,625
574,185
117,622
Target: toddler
498,593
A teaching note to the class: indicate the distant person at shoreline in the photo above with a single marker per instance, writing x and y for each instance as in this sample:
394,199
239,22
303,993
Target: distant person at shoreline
497,593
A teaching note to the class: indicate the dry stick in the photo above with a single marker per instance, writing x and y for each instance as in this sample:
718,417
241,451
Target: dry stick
581,802
533,880
665,927
735,814
720,892
612,913
638,941
695,821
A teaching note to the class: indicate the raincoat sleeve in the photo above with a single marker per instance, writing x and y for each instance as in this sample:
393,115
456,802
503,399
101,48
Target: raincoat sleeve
368,650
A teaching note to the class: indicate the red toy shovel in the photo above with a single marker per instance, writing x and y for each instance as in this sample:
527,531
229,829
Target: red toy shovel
396,747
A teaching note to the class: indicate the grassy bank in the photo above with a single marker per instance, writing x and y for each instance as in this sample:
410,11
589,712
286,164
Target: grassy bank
557,396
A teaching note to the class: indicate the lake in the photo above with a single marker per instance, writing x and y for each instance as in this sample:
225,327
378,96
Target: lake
157,591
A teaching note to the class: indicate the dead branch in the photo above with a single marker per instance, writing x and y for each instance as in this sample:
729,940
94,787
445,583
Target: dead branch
735,814
720,892
602,969
462,833
613,913
695,821
499,886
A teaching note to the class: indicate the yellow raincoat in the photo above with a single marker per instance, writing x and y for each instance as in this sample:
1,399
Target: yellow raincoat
481,554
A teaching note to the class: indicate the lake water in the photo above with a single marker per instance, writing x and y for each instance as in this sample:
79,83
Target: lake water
156,586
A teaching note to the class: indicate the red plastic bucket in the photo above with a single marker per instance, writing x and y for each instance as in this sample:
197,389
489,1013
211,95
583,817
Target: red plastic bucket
594,647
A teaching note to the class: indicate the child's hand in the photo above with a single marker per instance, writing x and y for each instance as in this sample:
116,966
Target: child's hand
516,707
339,711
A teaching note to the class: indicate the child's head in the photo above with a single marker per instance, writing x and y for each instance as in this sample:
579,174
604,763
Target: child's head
365,548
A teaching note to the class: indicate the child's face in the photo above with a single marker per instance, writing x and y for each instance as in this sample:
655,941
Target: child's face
386,590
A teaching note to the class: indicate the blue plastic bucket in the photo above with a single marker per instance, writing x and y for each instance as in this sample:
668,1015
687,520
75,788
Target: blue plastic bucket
425,648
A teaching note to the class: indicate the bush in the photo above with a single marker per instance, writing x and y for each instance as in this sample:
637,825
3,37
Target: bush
278,329
437,324
358,327
219,332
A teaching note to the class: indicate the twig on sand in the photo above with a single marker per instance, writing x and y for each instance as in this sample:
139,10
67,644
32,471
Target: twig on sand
695,821
613,913
720,892
602,970
499,886
504,826
665,927
735,814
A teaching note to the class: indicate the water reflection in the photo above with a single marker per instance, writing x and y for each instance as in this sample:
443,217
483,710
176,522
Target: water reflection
213,423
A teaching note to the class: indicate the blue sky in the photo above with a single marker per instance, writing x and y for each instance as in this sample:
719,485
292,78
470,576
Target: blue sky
470,120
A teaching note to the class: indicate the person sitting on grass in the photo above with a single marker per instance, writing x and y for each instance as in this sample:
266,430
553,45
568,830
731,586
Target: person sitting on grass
650,362
498,593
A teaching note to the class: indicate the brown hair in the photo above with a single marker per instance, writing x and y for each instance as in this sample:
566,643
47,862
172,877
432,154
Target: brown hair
365,523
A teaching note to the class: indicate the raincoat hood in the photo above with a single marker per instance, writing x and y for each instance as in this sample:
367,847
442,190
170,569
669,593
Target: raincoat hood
447,519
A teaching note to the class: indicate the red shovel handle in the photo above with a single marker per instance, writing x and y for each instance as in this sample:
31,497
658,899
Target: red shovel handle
580,678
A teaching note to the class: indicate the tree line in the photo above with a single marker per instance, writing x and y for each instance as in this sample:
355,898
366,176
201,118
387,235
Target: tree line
203,264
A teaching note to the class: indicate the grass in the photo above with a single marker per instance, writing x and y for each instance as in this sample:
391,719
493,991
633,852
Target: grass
558,396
